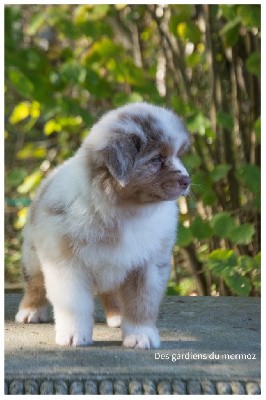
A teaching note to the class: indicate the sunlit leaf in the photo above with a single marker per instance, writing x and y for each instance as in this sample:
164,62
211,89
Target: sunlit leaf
20,112
30,182
21,218
31,151
36,22
51,127
35,110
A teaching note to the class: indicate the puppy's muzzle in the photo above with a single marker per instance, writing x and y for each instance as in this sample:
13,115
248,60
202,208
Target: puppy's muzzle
184,181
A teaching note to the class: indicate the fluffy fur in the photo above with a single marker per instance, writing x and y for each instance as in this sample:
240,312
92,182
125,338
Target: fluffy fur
105,222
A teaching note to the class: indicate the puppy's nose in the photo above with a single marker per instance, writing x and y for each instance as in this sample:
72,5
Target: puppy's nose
184,181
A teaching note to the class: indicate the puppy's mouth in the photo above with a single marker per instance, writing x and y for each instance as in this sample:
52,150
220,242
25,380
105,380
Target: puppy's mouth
175,188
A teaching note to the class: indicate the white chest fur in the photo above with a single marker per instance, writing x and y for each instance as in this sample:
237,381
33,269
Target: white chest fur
140,240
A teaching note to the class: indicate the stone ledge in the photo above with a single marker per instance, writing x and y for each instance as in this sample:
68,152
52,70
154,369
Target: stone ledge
188,325
120,387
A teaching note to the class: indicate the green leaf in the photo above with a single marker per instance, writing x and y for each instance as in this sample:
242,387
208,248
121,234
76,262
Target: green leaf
245,263
253,64
122,98
200,229
15,176
172,289
30,182
200,182
250,15
184,236
219,171
103,50
230,32
222,224
228,11
239,284
209,197
86,13
242,234
225,120
185,287
183,12
21,83
191,161
250,176
35,23
257,260
194,59
198,123
222,262
188,31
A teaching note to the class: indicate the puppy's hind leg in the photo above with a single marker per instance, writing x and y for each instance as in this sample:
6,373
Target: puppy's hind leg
33,306
111,305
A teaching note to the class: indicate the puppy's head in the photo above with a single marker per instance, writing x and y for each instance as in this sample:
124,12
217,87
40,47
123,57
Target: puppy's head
134,154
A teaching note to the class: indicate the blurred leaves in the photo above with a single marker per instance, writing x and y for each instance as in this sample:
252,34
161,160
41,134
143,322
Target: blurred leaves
66,64
253,63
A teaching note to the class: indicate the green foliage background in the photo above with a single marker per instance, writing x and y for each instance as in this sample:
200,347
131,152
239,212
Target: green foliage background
65,65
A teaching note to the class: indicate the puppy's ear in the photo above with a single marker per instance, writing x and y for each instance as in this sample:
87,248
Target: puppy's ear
121,154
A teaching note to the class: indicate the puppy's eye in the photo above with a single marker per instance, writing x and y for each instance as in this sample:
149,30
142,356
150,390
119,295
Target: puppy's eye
157,159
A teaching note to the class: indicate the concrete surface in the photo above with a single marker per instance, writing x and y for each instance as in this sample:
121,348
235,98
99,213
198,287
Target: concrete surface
218,338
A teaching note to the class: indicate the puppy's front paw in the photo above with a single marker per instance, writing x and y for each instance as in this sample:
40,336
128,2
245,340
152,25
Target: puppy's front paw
71,333
32,315
140,337
74,339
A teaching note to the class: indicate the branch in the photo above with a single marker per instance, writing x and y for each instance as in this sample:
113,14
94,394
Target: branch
177,60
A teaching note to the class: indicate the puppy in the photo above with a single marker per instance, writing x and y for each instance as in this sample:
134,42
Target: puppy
104,222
